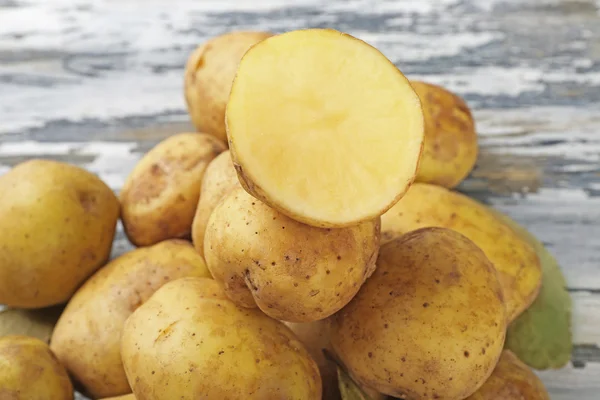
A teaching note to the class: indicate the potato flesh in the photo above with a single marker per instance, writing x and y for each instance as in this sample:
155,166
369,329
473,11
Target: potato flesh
429,324
323,127
426,205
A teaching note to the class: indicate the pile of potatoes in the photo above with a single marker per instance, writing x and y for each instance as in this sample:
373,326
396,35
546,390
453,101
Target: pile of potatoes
309,228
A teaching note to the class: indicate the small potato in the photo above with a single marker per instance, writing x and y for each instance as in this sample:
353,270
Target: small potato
517,263
189,341
511,380
429,324
87,336
209,73
450,146
219,179
159,198
58,224
292,271
29,371
315,336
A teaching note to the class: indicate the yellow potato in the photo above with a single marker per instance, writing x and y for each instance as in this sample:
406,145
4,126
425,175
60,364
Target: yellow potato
315,336
209,73
516,261
429,324
159,198
189,341
58,224
511,380
450,147
124,397
219,179
87,336
29,371
292,271
323,127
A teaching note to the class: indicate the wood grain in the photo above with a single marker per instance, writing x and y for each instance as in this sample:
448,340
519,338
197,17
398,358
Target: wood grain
99,83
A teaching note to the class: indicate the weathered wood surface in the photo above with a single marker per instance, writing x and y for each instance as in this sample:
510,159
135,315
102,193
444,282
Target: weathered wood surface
97,83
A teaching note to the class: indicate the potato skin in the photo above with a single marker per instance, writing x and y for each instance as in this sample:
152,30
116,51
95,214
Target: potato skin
511,380
291,271
209,74
219,179
189,341
87,336
515,260
429,324
130,396
31,372
55,217
159,198
450,147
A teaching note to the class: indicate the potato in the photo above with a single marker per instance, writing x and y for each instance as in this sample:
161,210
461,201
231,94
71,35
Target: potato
450,147
87,336
209,73
515,260
511,380
159,198
323,127
429,324
29,371
130,396
219,179
58,224
292,271
315,336
189,341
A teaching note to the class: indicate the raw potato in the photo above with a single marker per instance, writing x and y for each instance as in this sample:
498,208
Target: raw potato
124,397
515,260
429,324
292,271
159,198
58,224
189,341
219,179
315,336
511,380
209,73
29,371
87,337
323,127
450,146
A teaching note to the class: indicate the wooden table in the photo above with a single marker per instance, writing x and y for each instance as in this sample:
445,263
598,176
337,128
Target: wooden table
97,83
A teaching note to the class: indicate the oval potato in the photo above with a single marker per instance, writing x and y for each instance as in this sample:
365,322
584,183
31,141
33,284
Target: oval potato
159,197
209,73
292,271
189,341
450,147
429,324
58,224
87,336
517,263
219,179
29,371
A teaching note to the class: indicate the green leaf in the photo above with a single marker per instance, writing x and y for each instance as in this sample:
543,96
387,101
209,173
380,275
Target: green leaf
34,323
348,388
541,337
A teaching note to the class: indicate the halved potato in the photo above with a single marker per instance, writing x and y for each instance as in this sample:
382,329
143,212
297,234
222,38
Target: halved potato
323,127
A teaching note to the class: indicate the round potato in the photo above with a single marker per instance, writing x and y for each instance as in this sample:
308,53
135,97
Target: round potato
209,73
450,146
189,341
87,336
159,198
292,271
429,324
511,380
219,179
58,224
29,371
517,263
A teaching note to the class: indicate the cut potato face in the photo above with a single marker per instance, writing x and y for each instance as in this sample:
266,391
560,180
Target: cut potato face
323,127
